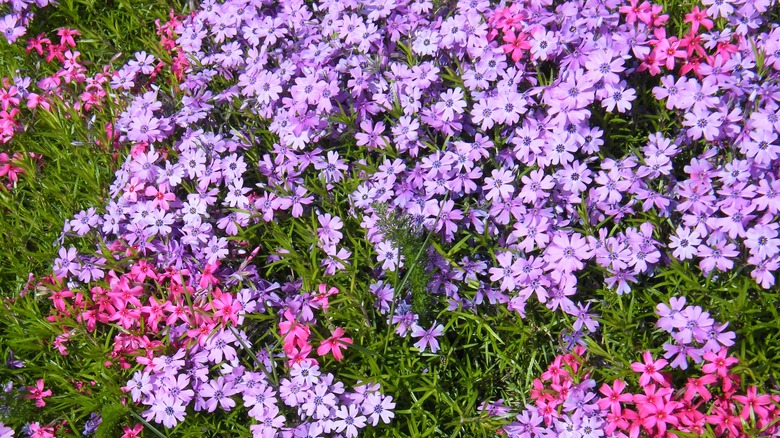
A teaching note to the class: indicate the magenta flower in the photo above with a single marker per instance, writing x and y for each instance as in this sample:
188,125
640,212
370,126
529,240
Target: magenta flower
334,344
516,44
651,370
37,393
613,397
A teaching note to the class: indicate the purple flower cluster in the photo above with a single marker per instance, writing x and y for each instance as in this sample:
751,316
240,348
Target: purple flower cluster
209,378
16,16
693,330
501,166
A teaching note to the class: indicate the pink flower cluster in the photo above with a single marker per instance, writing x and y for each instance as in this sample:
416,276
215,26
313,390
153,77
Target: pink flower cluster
566,402
142,300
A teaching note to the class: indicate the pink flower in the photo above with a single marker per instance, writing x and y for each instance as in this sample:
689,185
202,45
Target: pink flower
650,370
134,432
321,299
160,197
515,44
754,403
38,431
292,330
225,307
37,393
334,344
613,397
719,363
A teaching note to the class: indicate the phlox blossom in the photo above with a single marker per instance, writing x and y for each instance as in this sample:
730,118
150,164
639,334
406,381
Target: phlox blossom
37,393
334,344
427,337
651,370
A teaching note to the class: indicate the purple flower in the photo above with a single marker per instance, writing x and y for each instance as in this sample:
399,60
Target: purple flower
84,221
667,314
320,402
259,398
427,337
567,252
216,249
450,103
218,392
293,393
10,29
166,410
329,232
139,385
499,185
702,123
349,420
372,135
270,422
376,407
719,256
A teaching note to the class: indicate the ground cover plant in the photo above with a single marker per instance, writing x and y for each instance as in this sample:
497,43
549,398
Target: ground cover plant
392,218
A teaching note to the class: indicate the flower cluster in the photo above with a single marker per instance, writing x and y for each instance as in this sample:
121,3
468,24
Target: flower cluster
10,169
566,400
694,332
69,84
16,16
322,402
468,145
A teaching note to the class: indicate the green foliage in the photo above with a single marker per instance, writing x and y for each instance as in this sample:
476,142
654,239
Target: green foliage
113,416
75,172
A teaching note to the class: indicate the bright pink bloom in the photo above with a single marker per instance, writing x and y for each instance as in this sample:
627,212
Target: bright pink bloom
321,299
699,386
697,18
660,414
758,404
719,363
515,44
614,396
134,432
335,343
37,393
225,307
292,330
650,370
160,197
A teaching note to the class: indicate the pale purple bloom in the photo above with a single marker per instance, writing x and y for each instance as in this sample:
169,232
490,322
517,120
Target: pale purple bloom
427,337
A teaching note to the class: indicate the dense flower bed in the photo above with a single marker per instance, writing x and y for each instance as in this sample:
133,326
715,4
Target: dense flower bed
485,156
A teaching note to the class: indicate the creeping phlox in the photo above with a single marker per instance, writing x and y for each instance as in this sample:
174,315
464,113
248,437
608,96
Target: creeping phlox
471,144
566,401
